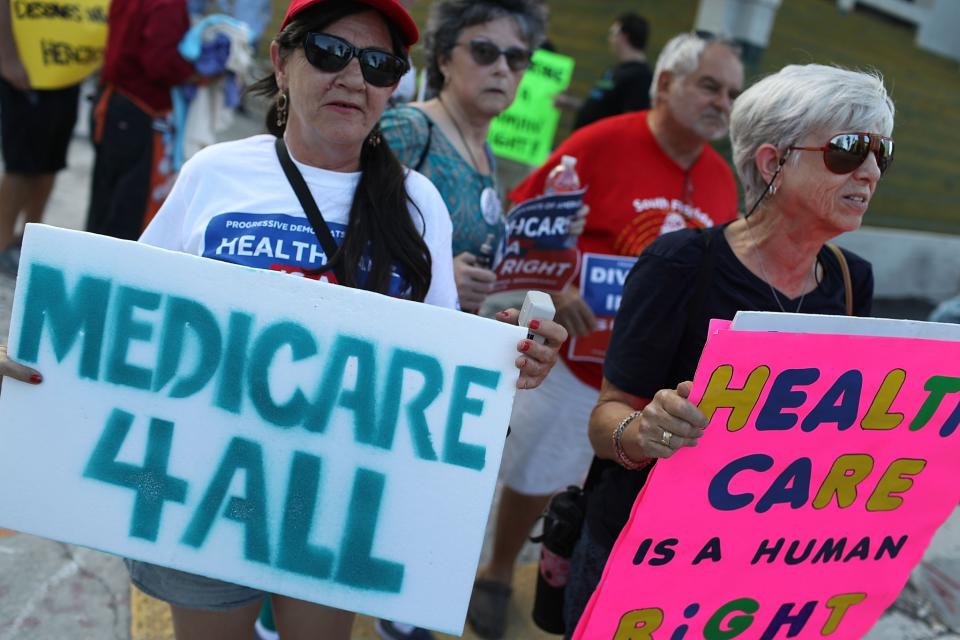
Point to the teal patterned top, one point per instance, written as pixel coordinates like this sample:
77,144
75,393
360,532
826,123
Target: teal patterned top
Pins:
422,146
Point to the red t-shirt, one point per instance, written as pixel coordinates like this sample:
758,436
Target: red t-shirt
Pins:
141,59
635,192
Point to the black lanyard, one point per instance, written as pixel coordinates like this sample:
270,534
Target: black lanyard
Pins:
320,228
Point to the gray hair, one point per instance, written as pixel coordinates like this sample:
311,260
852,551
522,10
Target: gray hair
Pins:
681,57
798,100
449,17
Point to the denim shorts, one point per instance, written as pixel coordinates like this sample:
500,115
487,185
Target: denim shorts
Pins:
188,590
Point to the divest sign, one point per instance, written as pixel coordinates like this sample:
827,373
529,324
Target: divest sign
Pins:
525,131
828,463
61,42
253,426
601,286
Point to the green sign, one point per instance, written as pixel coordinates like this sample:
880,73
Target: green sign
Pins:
525,131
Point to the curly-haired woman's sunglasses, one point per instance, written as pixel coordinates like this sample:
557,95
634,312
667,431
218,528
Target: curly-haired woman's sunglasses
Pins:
847,151
485,53
331,54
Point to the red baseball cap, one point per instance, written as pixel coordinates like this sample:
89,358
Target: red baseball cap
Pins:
392,10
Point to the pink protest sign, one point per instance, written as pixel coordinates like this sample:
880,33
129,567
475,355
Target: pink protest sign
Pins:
828,464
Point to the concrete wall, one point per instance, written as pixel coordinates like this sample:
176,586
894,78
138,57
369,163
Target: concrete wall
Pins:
914,11
746,20
937,21
938,31
909,264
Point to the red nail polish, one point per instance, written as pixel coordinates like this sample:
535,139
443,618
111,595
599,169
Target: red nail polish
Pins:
503,314
36,378
524,346
534,324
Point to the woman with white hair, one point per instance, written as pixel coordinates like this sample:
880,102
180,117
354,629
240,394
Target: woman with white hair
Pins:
810,144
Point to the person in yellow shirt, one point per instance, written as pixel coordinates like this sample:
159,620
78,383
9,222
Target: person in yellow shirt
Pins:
35,130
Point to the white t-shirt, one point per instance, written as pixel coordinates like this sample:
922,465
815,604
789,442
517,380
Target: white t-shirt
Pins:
232,202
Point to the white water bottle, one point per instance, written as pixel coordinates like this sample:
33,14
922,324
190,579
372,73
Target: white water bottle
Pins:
563,178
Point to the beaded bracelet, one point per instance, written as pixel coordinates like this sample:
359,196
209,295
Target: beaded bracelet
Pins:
622,456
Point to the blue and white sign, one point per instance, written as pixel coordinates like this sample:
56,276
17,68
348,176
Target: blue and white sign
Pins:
539,252
298,437
601,285
602,282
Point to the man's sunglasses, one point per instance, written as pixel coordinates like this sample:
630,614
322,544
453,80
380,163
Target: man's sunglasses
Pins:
847,151
331,54
485,53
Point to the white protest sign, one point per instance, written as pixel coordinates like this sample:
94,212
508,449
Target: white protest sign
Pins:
303,438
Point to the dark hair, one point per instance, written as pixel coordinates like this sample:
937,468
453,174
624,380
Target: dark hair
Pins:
449,17
380,227
636,28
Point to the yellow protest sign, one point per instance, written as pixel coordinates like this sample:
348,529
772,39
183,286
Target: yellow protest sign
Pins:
61,42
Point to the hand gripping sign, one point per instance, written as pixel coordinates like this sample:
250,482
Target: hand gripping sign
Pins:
539,251
254,427
828,463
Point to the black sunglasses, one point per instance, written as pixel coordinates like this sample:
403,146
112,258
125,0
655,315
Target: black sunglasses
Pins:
486,53
331,54
847,151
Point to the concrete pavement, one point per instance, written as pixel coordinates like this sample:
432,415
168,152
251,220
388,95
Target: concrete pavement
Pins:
50,590
53,591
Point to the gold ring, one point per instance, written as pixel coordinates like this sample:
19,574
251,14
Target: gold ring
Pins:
665,438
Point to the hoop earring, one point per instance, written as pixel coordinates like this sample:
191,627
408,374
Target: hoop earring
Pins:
282,105
773,186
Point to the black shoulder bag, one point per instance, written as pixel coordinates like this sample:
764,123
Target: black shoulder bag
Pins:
320,228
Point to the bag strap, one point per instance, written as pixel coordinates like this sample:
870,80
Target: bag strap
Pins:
847,282
426,148
320,228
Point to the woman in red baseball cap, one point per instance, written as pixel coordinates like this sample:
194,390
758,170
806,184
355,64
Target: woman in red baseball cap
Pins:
328,193
324,177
